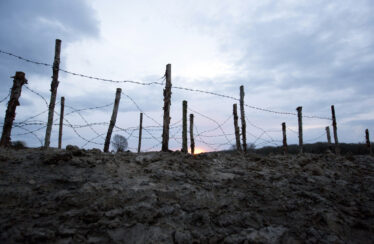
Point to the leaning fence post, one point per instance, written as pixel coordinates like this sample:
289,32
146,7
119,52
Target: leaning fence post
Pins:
112,120
335,129
368,141
191,135
328,137
285,150
184,131
236,127
61,122
18,81
242,115
300,121
54,85
140,132
167,97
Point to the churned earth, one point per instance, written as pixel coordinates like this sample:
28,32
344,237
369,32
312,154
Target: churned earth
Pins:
86,196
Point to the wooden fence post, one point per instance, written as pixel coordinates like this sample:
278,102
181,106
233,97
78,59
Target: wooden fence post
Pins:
18,81
335,129
285,150
54,85
242,115
112,120
167,102
368,141
61,122
328,137
300,122
236,127
191,135
184,131
140,132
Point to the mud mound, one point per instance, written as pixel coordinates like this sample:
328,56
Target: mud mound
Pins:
79,196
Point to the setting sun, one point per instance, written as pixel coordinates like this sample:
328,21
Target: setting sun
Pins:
199,150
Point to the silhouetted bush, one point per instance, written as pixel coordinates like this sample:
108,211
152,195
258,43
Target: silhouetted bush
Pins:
18,145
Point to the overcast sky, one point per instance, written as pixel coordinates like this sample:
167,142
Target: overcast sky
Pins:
286,53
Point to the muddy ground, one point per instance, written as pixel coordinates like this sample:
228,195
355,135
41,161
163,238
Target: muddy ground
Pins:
85,196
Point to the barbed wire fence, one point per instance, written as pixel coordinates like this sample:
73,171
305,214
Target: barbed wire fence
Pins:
219,137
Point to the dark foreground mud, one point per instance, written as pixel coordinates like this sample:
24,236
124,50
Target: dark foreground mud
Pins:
80,196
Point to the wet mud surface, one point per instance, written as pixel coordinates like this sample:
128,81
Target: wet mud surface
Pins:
85,196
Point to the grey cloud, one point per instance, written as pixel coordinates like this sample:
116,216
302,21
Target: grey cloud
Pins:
29,29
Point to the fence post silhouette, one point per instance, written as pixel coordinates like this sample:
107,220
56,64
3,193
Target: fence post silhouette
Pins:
61,122
368,141
300,122
18,81
236,127
112,120
184,131
335,129
328,137
54,85
285,150
191,135
140,132
242,115
166,122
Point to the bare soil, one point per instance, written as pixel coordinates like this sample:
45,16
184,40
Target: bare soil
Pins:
86,196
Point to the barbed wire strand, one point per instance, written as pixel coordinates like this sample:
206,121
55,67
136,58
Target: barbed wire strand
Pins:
161,83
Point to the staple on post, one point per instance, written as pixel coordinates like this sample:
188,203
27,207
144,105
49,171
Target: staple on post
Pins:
242,117
61,122
236,127
140,132
184,131
300,122
112,120
167,98
335,129
368,142
54,85
191,135
285,150
18,81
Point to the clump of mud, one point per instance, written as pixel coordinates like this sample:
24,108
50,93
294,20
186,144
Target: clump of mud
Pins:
85,196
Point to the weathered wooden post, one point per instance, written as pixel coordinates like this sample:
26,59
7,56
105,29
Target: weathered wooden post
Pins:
328,137
167,102
112,120
300,121
140,132
54,85
242,115
61,122
335,129
368,141
285,150
191,135
184,131
18,81
236,127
